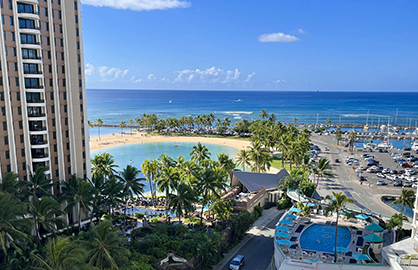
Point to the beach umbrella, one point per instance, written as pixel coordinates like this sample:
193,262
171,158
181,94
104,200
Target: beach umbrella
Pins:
290,216
294,209
282,235
309,204
374,227
345,211
361,257
340,249
284,242
362,216
373,238
282,228
287,222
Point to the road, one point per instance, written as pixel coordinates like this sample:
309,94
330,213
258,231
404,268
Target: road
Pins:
345,178
259,250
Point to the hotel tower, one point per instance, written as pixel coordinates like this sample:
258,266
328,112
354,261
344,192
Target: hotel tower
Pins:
42,89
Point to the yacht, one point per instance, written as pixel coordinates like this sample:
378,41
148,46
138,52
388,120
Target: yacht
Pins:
385,145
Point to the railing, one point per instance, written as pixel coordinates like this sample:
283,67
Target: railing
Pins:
37,128
35,101
32,58
36,115
40,156
38,142
34,86
34,27
248,204
32,72
31,43
303,198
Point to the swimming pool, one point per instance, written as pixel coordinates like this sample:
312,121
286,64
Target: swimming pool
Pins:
322,238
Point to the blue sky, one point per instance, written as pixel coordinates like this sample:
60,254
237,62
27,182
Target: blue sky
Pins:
351,45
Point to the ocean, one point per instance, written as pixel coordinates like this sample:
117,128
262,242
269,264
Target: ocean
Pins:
308,107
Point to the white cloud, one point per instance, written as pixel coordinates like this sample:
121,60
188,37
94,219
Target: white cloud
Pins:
104,73
249,77
139,5
211,75
301,31
277,37
151,77
279,82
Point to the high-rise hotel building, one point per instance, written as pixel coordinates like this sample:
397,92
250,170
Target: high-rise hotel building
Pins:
42,89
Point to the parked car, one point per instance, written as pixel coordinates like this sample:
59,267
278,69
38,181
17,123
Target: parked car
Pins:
381,183
393,171
397,183
406,165
386,170
407,154
358,170
414,185
362,178
337,160
407,184
380,175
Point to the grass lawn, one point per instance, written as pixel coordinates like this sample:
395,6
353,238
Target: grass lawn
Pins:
277,163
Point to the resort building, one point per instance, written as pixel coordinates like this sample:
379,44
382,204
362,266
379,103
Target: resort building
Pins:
42,97
254,189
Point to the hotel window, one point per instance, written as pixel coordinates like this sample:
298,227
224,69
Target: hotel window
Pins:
66,121
2,19
4,125
22,152
62,56
22,139
66,133
54,135
59,15
48,42
46,11
10,5
6,140
24,166
60,28
12,35
64,95
9,169
52,95
20,125
63,69
52,108
7,155
17,82
50,68
68,158
68,146
61,42
76,19
18,94
56,160
65,108
47,26
63,82
15,67
76,32
78,45
53,122
75,5
56,173
19,110
69,170
3,111
55,148
14,51
11,20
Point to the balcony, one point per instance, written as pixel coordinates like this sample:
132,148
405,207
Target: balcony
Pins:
38,156
29,27
36,115
35,100
32,72
37,128
30,43
34,86
28,57
38,142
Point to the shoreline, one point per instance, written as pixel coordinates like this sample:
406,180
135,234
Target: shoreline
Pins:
141,137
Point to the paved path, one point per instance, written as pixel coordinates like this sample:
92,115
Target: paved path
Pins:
258,246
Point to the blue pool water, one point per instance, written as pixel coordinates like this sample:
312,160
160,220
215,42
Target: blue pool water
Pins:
322,238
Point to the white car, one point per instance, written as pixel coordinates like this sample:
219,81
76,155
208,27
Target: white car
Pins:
358,170
381,183
386,170
414,185
380,175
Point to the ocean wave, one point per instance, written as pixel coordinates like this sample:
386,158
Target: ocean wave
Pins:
363,115
235,112
237,117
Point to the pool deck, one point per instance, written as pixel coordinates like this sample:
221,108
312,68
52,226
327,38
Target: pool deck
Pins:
357,243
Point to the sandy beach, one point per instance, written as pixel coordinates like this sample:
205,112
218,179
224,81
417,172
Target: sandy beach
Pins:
139,137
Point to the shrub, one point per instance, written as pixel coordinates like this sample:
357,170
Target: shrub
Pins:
258,210
307,188
139,215
284,203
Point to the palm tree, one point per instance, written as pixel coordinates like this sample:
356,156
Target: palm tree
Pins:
210,180
407,198
182,201
104,165
338,202
200,153
263,114
283,146
395,223
61,254
90,124
105,246
99,123
322,169
15,226
295,120
122,124
352,137
306,163
226,162
131,123
243,158
293,152
150,169
45,213
11,184
338,134
131,183
272,118
38,184
167,180
78,194
260,157
113,193
226,123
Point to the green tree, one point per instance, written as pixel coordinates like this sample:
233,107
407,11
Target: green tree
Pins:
167,180
260,157
131,183
122,124
295,120
222,208
307,188
352,137
272,118
263,114
99,124
15,226
226,162
150,169
338,134
322,169
395,223
113,193
105,246
11,184
38,184
337,203
200,153
104,165
78,194
407,198
243,158
46,213
182,202
61,254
